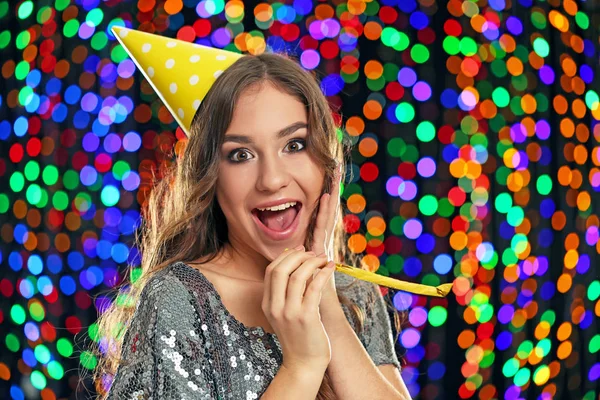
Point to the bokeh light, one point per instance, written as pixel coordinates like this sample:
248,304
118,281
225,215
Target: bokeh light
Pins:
476,160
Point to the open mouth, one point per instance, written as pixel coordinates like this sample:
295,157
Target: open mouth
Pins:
278,221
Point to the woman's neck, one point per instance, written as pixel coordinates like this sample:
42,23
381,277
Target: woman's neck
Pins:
247,265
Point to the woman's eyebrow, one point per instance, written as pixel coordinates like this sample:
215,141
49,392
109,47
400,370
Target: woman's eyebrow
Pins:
288,130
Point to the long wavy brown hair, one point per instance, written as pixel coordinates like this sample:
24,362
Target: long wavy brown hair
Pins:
181,221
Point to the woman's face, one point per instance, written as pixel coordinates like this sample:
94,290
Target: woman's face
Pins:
259,165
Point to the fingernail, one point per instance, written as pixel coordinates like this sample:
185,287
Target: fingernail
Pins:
301,247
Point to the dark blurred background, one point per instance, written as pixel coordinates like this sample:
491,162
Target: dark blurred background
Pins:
476,160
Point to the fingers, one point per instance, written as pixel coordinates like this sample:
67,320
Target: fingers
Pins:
312,296
270,268
299,280
280,276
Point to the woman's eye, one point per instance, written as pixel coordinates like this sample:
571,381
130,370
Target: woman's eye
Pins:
244,151
301,141
231,155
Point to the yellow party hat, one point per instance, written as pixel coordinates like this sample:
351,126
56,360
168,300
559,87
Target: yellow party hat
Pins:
180,72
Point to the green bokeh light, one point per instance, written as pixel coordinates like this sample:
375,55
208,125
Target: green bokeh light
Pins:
510,367
394,263
34,194
451,45
4,203
118,54
3,8
38,380
593,291
503,202
50,175
428,205
545,345
16,182
25,9
93,332
544,184
594,345
519,243
425,131
549,316
541,47
592,100
419,53
17,313
405,112
88,360
522,377
64,347
524,350
60,200
55,370
61,5
22,70
396,147
135,274
500,97
582,20
515,216
391,37
99,41
12,342
26,95
4,39
95,17
42,354
23,39
71,28
110,195
437,316
468,46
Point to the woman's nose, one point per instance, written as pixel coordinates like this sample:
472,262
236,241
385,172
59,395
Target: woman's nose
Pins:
272,176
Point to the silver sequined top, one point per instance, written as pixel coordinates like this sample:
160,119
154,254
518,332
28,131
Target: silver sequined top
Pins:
182,343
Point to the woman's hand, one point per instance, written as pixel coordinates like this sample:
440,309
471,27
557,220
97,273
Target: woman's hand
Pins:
329,206
291,305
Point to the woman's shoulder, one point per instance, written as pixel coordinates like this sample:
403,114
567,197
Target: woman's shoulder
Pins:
177,273
165,305
163,284
173,283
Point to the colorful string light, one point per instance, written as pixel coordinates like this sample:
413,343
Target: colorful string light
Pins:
476,160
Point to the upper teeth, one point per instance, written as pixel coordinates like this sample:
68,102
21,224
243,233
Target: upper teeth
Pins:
279,207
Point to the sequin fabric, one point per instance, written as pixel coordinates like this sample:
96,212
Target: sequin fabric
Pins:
182,343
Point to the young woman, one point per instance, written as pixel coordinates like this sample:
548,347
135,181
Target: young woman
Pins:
236,300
